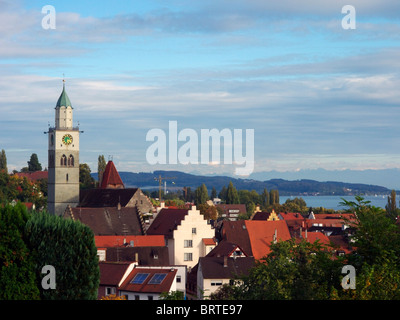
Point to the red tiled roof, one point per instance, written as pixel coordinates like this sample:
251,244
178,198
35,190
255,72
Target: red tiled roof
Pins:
111,178
138,241
314,236
209,241
261,234
334,216
291,216
164,286
37,175
111,273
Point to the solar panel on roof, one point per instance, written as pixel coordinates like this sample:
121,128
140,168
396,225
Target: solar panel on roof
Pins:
139,278
157,278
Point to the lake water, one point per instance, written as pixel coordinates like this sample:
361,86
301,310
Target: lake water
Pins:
332,202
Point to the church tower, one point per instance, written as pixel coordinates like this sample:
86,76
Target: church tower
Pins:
63,161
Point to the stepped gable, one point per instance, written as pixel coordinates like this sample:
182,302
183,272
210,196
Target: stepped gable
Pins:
111,178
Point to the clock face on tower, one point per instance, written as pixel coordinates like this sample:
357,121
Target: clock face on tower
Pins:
67,139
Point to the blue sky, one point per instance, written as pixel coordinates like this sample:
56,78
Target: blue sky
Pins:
315,94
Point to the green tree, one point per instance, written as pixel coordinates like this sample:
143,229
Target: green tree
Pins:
292,271
209,212
391,206
273,197
265,198
222,194
377,242
86,181
375,233
201,195
213,193
69,247
232,196
34,164
3,161
17,269
295,205
101,167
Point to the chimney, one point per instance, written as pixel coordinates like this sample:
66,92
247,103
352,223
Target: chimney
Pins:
275,236
225,261
137,258
306,234
301,230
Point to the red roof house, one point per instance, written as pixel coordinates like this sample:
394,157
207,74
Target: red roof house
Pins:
148,283
263,233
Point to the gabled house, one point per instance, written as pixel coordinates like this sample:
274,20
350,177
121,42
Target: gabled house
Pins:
263,233
112,274
184,231
215,271
254,236
148,283
265,216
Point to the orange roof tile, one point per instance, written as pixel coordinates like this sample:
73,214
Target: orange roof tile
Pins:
314,236
138,241
261,234
209,242
291,216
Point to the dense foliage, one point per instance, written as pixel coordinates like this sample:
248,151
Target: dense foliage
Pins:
69,247
17,266
299,270
30,241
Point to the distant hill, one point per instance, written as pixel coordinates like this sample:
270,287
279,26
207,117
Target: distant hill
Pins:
146,180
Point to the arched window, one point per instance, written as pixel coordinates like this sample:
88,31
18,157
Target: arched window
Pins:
71,161
63,161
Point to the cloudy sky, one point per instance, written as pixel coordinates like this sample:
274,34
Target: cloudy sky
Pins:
316,95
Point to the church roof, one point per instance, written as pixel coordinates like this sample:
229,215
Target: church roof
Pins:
96,198
111,178
63,100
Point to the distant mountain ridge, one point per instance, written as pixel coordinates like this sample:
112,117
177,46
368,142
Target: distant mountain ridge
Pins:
147,180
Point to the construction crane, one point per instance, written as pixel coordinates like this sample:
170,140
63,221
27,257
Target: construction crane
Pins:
160,180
